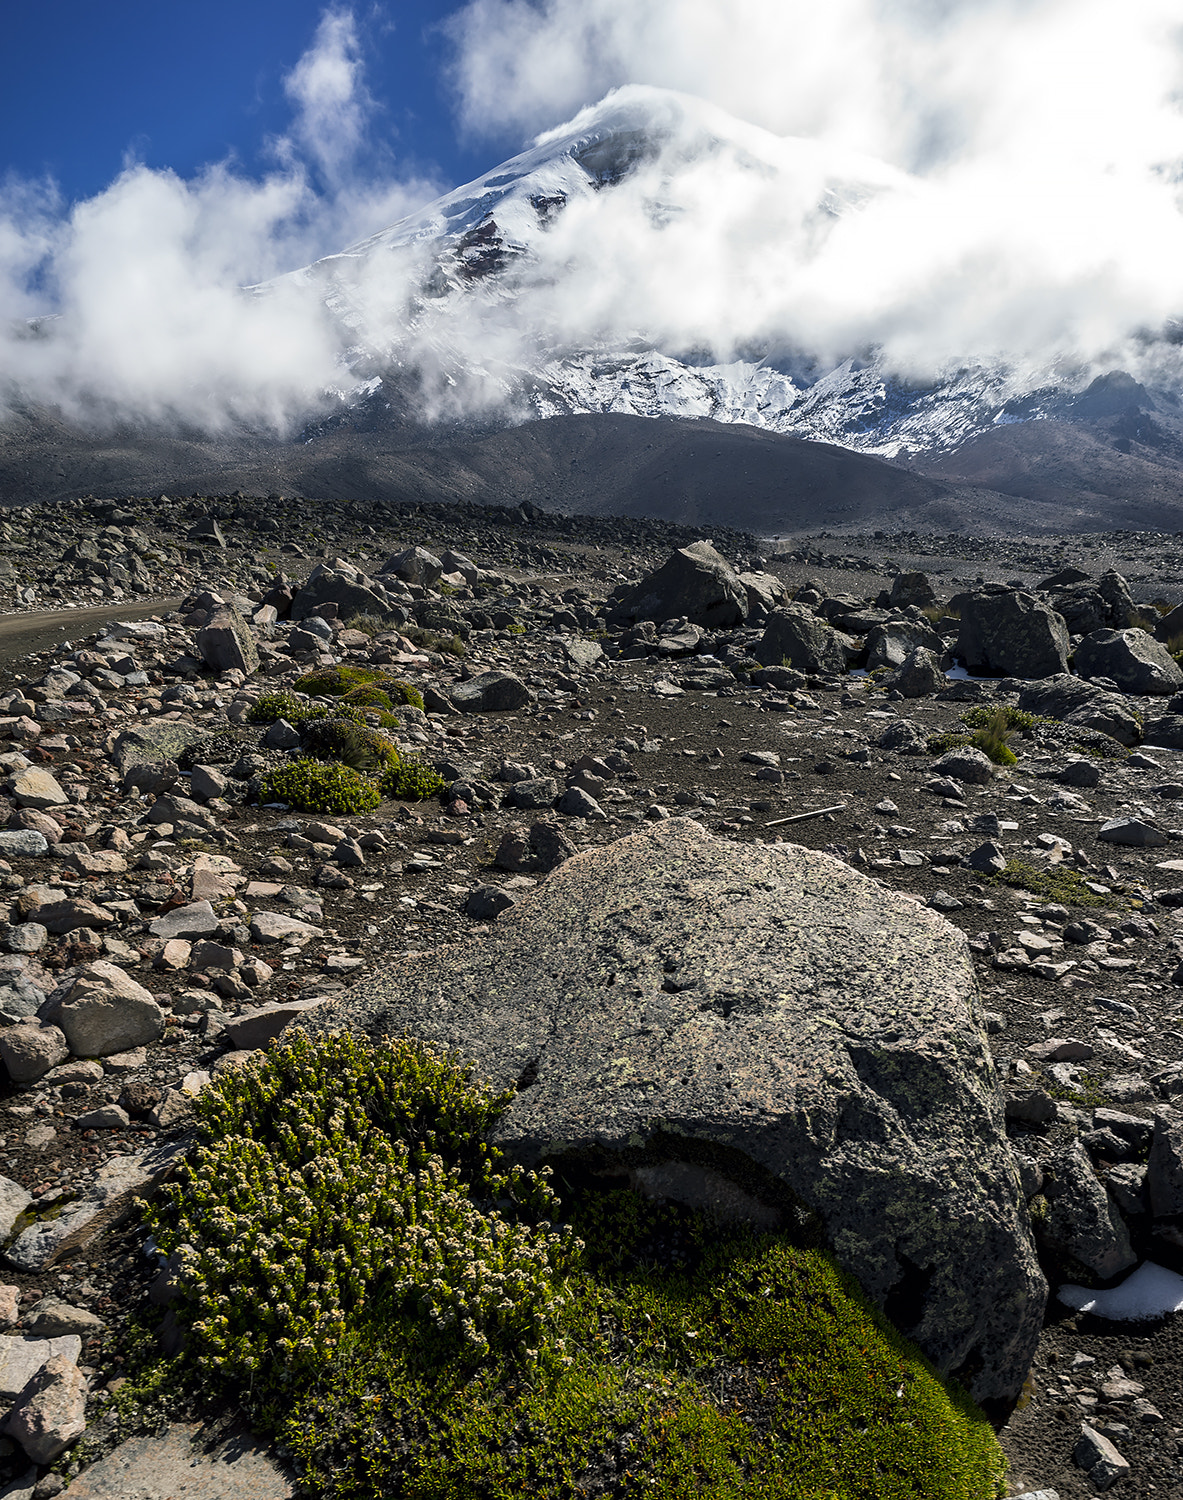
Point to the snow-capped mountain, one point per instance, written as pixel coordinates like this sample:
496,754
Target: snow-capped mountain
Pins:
658,257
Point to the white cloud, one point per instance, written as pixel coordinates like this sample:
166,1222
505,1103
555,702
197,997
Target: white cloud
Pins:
145,279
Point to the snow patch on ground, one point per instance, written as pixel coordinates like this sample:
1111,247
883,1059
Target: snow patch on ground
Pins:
1149,1292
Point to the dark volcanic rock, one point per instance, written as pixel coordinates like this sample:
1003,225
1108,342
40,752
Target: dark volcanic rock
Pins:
696,583
774,1007
1013,632
1131,658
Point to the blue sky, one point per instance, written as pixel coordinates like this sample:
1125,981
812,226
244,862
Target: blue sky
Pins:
180,85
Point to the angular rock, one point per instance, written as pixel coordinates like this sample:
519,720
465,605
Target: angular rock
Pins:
255,1028
1131,658
1134,833
1164,1171
577,803
350,595
1082,1223
912,589
889,644
765,593
965,764
794,636
192,921
158,740
919,674
491,692
51,1318
22,843
21,1360
987,858
226,643
777,1007
50,1413
536,792
1165,730
29,1050
68,916
1011,632
14,1199
1100,1460
36,788
276,927
105,1201
106,1011
539,848
414,565
487,902
1080,773
695,582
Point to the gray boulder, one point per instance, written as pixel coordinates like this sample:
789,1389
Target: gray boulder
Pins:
226,642
29,1050
1074,701
966,764
794,636
1165,730
695,582
158,740
815,1035
348,593
1011,632
414,565
1087,606
106,1011
491,692
919,674
1132,659
888,644
912,589
1082,1225
765,593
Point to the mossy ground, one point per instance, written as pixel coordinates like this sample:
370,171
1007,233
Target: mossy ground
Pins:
1050,883
512,1346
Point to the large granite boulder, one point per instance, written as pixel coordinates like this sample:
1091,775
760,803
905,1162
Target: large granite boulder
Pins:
1132,659
795,637
695,582
1011,632
762,1029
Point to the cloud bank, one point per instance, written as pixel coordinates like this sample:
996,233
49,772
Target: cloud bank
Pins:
943,181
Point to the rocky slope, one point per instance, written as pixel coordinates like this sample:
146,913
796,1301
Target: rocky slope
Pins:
160,922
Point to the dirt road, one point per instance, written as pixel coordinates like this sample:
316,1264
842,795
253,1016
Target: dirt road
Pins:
40,630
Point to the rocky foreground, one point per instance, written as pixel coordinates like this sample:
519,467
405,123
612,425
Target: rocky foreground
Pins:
581,688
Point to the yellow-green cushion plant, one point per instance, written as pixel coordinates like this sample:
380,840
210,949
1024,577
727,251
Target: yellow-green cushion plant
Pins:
402,1314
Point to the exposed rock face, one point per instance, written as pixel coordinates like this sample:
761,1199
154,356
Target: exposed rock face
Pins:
695,582
1131,658
676,997
349,594
795,635
1011,632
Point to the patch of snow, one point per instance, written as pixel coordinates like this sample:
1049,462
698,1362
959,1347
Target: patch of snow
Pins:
1149,1292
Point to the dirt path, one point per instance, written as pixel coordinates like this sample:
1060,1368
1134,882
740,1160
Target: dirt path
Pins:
41,629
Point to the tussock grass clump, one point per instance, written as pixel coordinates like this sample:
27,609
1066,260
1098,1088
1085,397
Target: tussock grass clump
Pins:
413,1321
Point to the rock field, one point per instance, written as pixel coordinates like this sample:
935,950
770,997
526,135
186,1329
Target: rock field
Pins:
630,707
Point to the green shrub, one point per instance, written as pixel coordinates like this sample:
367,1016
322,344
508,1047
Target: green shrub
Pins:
314,787
412,781
400,1313
284,705
404,692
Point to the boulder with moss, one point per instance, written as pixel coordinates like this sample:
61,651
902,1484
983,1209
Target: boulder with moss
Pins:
785,1032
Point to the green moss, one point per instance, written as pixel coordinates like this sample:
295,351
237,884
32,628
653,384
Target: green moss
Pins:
315,787
402,1315
333,682
1053,883
412,781
370,695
